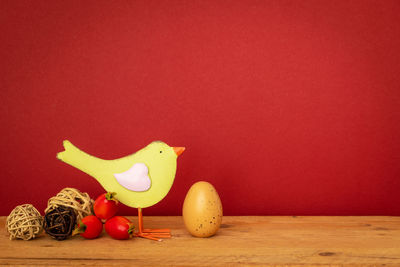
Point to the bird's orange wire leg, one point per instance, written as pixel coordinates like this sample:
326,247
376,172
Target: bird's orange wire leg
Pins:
153,234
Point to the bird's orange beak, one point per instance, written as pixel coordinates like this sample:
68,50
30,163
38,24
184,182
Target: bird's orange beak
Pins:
178,150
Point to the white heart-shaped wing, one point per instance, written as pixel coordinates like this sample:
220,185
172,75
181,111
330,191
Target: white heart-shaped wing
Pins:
135,179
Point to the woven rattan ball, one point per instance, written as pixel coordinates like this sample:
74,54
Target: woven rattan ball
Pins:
24,222
59,222
80,202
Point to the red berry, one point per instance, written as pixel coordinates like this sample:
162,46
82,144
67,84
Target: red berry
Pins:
89,227
119,227
106,206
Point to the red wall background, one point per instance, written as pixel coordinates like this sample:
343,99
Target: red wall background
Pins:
286,107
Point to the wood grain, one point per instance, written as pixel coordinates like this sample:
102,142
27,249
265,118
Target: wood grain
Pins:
247,241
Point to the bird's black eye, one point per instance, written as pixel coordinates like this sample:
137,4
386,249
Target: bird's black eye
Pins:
160,151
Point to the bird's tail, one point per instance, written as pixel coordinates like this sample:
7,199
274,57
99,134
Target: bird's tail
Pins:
69,153
77,158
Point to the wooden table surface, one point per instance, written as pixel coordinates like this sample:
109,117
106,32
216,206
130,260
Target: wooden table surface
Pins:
252,241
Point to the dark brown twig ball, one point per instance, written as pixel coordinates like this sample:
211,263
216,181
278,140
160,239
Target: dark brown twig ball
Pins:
59,222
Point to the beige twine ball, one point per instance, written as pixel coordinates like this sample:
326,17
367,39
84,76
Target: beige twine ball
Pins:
73,198
24,222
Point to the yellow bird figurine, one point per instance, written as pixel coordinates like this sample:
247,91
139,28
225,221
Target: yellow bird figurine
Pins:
140,180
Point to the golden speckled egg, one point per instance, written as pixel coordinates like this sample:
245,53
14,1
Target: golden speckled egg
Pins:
202,210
